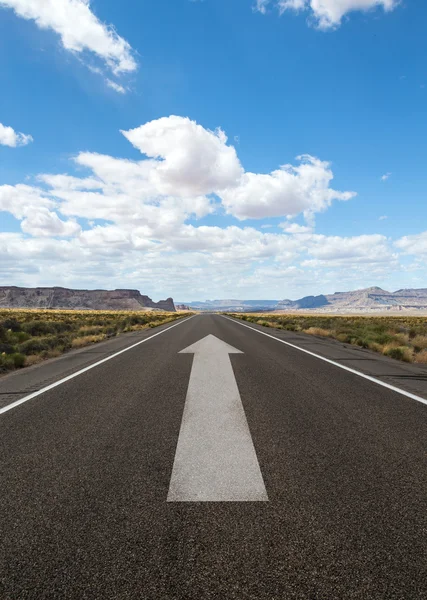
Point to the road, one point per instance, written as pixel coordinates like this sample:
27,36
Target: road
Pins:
312,483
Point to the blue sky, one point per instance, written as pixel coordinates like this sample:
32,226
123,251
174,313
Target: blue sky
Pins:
213,97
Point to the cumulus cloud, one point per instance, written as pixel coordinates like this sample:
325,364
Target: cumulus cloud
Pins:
32,207
287,191
295,228
385,176
9,137
327,14
190,159
413,244
327,250
45,223
79,29
137,220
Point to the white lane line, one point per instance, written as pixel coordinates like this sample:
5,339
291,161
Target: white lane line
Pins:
332,362
100,362
215,459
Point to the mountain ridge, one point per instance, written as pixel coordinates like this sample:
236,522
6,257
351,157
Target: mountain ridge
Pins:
369,299
66,298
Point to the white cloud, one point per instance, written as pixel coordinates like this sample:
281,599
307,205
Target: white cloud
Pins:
189,158
32,207
328,250
115,86
9,137
21,199
328,14
385,176
383,218
413,244
261,5
79,29
45,223
288,191
139,221
295,228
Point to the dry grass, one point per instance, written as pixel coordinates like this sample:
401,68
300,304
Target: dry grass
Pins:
318,331
403,353
28,336
401,337
419,342
421,357
33,359
86,340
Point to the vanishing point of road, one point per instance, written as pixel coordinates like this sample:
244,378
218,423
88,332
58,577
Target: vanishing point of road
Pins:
211,459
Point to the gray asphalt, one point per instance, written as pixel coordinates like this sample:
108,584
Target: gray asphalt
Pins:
86,468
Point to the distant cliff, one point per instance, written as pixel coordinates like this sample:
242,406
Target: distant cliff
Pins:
57,297
366,300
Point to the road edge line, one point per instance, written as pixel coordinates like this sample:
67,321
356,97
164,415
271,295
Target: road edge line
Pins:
332,362
77,373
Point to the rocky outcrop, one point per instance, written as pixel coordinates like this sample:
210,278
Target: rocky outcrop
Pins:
303,303
367,300
182,307
57,297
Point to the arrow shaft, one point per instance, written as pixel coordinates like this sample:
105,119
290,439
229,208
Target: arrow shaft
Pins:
215,458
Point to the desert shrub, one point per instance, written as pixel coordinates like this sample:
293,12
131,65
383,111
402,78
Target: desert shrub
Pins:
111,331
401,338
18,360
419,342
11,361
33,359
6,349
6,363
421,357
399,352
318,331
12,324
42,328
384,338
39,328
86,340
265,323
34,346
21,336
90,330
38,345
375,347
39,334
138,327
344,337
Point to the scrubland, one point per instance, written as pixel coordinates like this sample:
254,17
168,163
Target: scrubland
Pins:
31,336
403,338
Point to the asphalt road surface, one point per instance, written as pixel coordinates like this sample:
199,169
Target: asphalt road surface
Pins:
241,468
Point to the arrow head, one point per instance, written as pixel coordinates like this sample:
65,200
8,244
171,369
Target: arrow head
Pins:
210,345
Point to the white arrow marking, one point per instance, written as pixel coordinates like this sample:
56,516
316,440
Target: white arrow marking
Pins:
215,459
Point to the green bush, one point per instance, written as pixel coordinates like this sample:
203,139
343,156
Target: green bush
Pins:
34,346
11,324
18,360
43,334
6,349
399,353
